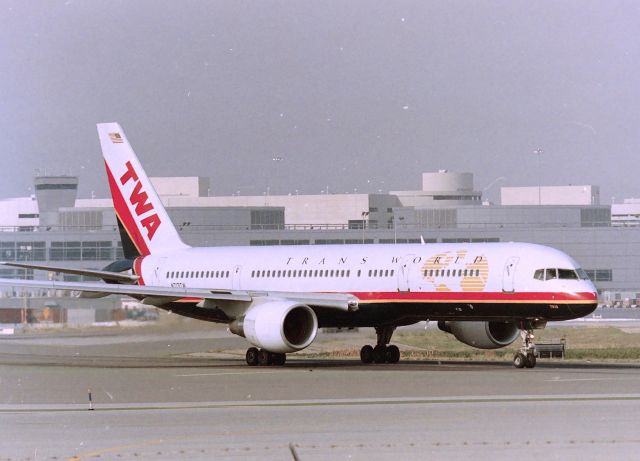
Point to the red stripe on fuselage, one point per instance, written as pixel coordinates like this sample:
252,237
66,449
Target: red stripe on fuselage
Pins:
476,297
127,219
449,297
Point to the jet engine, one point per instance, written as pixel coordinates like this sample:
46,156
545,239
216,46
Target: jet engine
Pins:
483,335
278,326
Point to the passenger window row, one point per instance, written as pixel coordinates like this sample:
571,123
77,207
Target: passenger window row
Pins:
300,273
452,273
319,273
198,274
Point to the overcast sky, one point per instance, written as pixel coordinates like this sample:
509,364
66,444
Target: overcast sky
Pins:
349,95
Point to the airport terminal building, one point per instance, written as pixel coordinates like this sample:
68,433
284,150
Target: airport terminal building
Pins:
55,227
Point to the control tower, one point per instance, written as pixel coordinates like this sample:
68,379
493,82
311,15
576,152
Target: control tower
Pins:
53,193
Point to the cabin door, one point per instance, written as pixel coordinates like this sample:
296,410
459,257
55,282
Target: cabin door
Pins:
237,272
158,276
404,273
508,274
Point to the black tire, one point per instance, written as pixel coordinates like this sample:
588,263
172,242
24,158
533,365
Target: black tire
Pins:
279,359
531,361
264,358
380,354
366,354
252,356
392,354
519,360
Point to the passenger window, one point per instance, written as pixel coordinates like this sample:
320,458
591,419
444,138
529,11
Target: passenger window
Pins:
392,272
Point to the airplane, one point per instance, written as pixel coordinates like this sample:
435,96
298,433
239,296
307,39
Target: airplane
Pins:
484,294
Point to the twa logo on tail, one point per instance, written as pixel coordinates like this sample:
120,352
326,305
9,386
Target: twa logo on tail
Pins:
136,202
139,200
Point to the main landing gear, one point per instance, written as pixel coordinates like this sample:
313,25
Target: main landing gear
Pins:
526,356
382,352
264,358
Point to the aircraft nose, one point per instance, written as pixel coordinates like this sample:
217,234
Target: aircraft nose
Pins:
589,295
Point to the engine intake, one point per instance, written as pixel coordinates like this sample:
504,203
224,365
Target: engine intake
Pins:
483,335
278,326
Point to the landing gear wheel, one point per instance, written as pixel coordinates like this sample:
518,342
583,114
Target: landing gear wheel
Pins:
366,354
380,353
530,361
526,356
519,360
252,356
392,354
264,358
278,359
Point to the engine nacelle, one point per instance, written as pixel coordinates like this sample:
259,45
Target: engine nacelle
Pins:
483,335
278,326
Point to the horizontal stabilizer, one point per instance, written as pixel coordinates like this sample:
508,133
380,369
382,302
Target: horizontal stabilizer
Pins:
105,275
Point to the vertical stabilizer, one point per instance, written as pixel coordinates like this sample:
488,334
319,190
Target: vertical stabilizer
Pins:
136,202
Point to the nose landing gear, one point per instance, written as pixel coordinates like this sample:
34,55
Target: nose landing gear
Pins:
526,356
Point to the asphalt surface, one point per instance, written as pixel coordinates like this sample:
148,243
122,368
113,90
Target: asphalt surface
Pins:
167,395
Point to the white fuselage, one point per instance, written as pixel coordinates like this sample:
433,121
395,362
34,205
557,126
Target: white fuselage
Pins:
478,271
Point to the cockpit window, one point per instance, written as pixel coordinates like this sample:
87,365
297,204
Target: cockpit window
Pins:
582,274
567,274
564,274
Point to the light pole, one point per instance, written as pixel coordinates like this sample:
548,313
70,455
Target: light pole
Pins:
395,228
364,216
539,153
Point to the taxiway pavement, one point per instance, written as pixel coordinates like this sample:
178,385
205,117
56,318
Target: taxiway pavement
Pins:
155,398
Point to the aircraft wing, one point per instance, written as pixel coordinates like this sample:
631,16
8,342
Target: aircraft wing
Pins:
159,296
106,275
